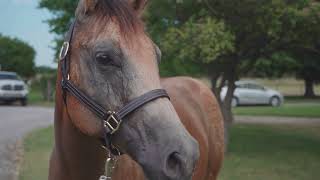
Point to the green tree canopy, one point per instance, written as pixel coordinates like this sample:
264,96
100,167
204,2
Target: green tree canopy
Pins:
300,57
306,46
17,56
194,45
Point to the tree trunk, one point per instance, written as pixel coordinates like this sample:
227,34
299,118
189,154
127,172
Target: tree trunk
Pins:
214,80
309,91
225,104
219,75
227,110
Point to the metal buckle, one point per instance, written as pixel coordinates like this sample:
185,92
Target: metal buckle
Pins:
64,50
112,122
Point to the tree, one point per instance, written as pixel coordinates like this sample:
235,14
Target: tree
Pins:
63,12
194,45
308,70
223,39
17,56
301,57
46,78
45,70
306,46
259,30
275,66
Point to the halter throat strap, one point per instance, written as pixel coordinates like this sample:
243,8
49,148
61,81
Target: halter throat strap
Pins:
111,119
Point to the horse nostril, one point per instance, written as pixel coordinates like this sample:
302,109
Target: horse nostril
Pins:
174,164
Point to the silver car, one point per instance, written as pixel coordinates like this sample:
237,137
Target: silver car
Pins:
12,88
251,93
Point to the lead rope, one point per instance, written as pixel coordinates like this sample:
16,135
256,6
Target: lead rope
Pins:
109,167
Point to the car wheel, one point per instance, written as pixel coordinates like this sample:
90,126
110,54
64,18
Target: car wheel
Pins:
234,102
275,101
24,102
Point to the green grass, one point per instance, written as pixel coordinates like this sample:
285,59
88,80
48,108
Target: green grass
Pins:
35,98
272,153
37,149
288,110
256,152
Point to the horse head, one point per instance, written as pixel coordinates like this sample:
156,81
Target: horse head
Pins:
114,61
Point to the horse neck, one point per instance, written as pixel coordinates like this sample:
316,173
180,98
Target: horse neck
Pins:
76,155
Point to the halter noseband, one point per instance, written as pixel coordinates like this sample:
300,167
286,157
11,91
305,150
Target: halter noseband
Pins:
111,120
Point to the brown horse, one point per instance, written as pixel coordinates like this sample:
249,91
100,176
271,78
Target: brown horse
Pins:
113,61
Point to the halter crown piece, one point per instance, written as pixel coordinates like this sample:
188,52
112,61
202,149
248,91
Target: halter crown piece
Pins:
111,120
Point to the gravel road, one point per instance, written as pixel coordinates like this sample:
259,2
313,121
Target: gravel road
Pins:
15,122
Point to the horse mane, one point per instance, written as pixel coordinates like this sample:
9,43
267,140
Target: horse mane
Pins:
121,10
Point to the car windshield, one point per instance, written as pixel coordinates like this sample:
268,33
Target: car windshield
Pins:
8,77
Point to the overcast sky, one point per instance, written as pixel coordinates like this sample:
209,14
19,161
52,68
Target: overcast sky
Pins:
22,19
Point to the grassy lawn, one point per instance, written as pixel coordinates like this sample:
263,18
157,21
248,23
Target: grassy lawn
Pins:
35,98
277,153
288,110
256,152
37,149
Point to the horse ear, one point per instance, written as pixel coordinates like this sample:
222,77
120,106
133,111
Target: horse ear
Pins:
138,5
90,5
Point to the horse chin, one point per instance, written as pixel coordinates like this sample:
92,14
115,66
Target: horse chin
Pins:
160,177
151,175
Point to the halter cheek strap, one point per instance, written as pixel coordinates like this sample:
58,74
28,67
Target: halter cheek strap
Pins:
111,120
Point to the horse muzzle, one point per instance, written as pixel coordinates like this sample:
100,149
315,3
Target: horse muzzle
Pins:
177,162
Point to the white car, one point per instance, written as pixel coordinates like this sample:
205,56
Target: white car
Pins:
12,88
251,93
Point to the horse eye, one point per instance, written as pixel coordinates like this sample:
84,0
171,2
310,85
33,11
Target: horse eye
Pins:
104,59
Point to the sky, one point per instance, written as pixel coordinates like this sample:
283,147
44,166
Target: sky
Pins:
24,20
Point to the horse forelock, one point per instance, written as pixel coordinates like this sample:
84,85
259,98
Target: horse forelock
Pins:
120,11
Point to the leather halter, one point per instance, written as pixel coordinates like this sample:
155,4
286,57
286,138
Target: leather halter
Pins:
111,120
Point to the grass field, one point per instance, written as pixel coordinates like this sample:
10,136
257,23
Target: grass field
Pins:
297,109
256,152
35,98
37,149
273,153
